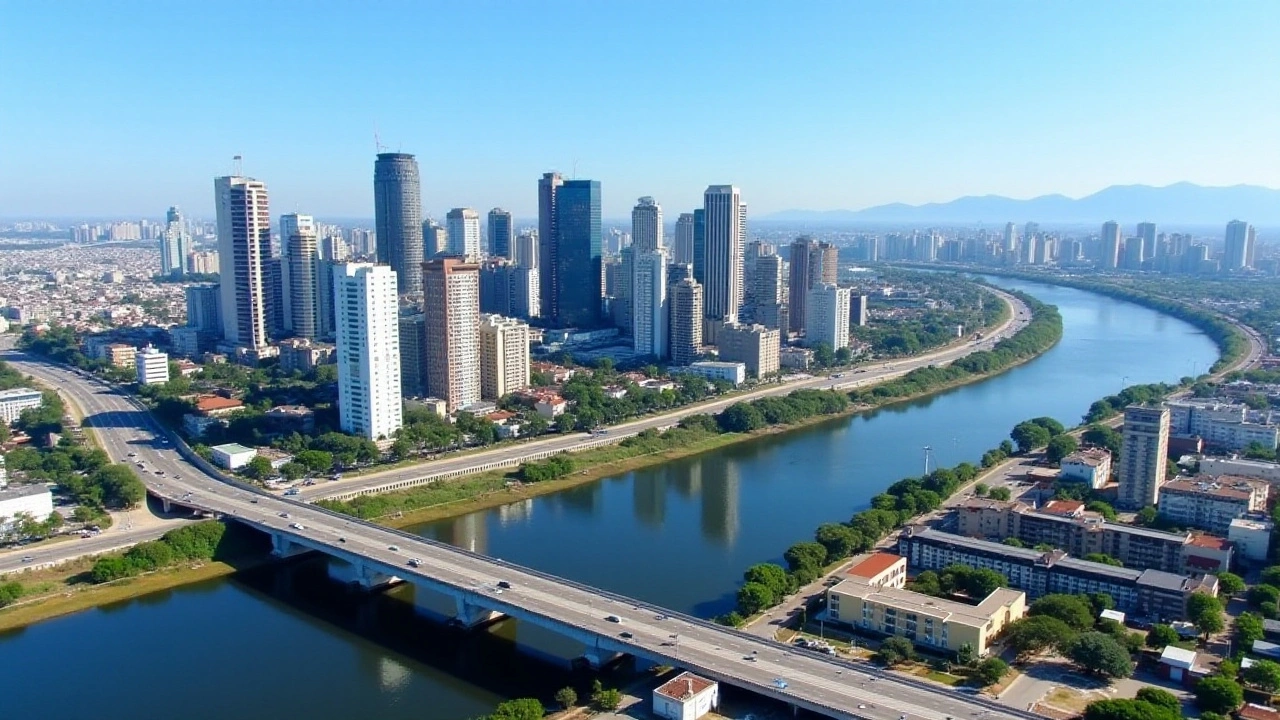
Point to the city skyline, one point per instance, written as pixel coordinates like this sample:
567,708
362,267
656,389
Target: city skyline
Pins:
868,133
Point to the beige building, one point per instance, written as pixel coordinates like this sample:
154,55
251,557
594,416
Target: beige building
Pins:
120,354
755,346
880,569
1146,447
1211,503
880,606
1091,466
451,330
686,321
504,356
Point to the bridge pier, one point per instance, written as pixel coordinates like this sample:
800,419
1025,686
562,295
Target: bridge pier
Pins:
166,505
283,546
358,573
597,658
470,615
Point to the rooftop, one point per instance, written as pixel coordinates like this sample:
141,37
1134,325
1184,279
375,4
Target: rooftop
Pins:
1211,542
212,403
684,686
1225,487
1178,657
17,393
1088,456
874,564
1063,507
233,449
939,608
13,492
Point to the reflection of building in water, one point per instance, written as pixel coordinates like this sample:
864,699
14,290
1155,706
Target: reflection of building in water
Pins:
584,498
720,501
649,497
516,512
468,532
391,674
689,482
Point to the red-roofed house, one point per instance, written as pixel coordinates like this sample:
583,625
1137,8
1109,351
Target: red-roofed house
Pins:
686,697
881,569
214,405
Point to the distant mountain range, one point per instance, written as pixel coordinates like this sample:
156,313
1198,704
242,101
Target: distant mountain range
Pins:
1181,203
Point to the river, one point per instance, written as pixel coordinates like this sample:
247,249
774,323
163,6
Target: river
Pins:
284,642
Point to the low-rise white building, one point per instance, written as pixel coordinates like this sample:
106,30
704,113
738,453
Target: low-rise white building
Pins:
1251,537
1239,466
686,697
14,401
35,500
1091,466
232,455
152,366
734,372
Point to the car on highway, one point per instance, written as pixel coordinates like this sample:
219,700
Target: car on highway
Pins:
284,514
342,539
613,618
625,635
415,562
133,454
780,683
292,491
26,558
297,526
393,548
504,584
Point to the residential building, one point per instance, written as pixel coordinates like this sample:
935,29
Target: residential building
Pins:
273,280
232,456
812,264
1268,471
686,697
525,252
1091,466
175,244
1238,248
646,226
650,311
686,321
725,235
756,346
857,310
1251,537
619,277
764,281
464,233
929,622
827,316
1111,245
397,211
682,249
152,366
244,246
452,331
795,358
1211,503
576,262
500,233
204,308
15,400
413,357
304,355
120,355
1224,426
435,239
36,500
549,244
504,356
292,418
1143,464
1152,594
733,372
369,401
301,292
880,569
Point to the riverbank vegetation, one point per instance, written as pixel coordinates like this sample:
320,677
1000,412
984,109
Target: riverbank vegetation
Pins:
202,541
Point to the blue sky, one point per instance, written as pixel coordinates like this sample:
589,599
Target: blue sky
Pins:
127,107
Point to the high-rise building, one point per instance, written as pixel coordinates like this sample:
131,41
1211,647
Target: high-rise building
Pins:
651,316
204,263
576,265
204,310
1133,254
273,272
413,357
152,366
526,250
700,245
435,239
524,295
504,356
301,277
464,233
764,288
755,346
682,249
1147,233
1010,237
827,316
175,243
1146,447
646,225
812,263
1111,245
686,321
500,233
369,399
451,330
1237,248
334,249
244,244
724,240
619,286
549,244
326,310
858,310
397,209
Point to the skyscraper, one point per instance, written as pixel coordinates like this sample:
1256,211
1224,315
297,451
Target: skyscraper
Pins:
504,356
451,330
699,262
435,239
526,250
576,255
301,277
686,321
1111,245
650,315
812,263
397,209
827,316
724,238
203,309
646,225
619,286
464,233
175,243
412,355
1237,247
244,244
1010,237
500,233
1143,462
368,352
682,250
1147,232
548,244
764,288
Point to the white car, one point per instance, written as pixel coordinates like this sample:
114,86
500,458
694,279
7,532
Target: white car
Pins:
297,526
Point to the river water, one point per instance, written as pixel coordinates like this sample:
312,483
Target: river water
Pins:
282,641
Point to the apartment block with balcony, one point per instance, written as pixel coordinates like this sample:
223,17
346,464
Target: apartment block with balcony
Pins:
1211,503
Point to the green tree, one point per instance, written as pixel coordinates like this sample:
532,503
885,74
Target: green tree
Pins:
1103,509
895,650
259,468
966,655
10,592
1161,635
1147,516
1230,583
1103,558
1029,436
293,471
1263,674
606,700
773,577
1000,493
990,671
1259,594
1218,694
1206,612
741,417
1074,610
1014,542
1035,634
1160,698
1100,654
806,555
981,489
521,709
1248,628
839,540
1059,447
1124,709
567,697
754,597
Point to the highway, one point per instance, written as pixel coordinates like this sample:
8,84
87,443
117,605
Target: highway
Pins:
512,455
833,687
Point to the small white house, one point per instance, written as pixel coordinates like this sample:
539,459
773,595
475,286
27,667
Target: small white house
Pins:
232,455
686,697
35,500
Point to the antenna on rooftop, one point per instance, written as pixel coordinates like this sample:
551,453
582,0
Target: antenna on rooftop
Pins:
377,142
575,170
237,165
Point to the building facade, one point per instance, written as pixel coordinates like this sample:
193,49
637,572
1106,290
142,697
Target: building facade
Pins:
451,328
152,366
15,400
682,248
1091,466
500,233
464,233
397,211
686,321
301,292
504,356
756,346
577,256
175,243
548,244
827,316
646,226
725,236
1146,447
1212,503
650,311
369,395
244,246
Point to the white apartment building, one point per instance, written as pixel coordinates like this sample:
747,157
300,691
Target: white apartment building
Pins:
1240,466
826,317
368,352
650,312
646,226
152,366
1251,537
1146,447
301,279
463,226
756,346
1091,466
1222,425
14,401
451,323
734,372
504,356
1212,503
244,244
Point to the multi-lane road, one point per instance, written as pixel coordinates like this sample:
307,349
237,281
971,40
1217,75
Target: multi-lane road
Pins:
831,686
